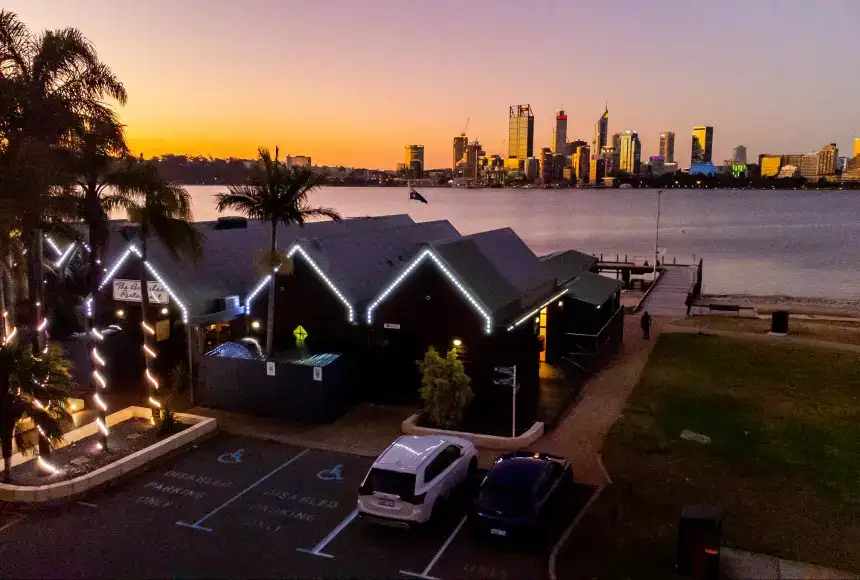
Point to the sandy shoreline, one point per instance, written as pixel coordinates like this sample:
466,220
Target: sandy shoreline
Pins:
767,304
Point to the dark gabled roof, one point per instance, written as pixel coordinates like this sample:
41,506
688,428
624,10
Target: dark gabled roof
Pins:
360,264
230,263
499,268
567,264
593,288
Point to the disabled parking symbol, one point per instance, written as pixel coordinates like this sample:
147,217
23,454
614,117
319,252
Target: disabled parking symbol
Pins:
235,457
332,474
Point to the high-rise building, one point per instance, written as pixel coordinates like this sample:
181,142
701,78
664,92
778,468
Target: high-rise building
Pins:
739,155
857,147
770,165
521,132
414,160
546,159
471,158
560,133
667,146
601,132
795,159
581,163
297,161
827,159
630,153
460,143
809,166
703,145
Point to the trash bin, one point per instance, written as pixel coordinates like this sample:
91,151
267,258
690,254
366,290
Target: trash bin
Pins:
699,535
779,322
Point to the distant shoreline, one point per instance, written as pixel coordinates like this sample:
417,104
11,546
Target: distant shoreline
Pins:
794,304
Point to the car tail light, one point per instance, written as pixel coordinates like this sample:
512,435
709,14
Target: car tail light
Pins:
415,499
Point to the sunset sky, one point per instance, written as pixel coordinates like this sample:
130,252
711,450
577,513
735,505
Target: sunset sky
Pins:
350,82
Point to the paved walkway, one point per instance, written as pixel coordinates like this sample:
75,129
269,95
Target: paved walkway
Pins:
668,296
741,565
580,434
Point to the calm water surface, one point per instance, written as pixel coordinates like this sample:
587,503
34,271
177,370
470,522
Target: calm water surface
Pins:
796,243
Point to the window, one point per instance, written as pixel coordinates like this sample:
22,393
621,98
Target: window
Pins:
392,482
441,462
547,479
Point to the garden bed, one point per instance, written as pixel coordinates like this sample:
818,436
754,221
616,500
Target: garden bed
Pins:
133,445
84,456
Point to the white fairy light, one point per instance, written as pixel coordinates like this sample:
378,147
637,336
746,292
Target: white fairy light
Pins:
102,427
538,309
112,272
98,357
53,245
97,334
428,253
99,402
45,465
65,254
147,327
98,376
152,380
89,305
254,293
39,404
11,335
42,325
149,351
154,402
329,283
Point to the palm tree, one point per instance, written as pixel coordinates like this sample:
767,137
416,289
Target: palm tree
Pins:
51,85
160,210
276,194
31,387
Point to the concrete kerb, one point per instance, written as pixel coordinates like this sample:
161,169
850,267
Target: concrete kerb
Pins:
410,427
200,427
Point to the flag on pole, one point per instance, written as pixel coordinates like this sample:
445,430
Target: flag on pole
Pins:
416,196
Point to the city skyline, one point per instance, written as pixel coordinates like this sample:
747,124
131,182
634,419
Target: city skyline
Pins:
207,86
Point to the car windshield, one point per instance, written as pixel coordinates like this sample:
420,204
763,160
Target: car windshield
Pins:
392,482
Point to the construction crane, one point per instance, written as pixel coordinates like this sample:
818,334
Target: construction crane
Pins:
467,125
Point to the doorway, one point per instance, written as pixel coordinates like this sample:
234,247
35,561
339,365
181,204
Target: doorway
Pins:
542,333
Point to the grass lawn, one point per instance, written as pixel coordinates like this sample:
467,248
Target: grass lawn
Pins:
834,331
784,460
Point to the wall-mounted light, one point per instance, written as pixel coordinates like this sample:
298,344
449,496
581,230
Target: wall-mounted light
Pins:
560,303
255,325
537,319
120,313
164,311
457,342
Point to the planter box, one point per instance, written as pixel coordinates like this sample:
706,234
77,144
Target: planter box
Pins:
410,427
199,427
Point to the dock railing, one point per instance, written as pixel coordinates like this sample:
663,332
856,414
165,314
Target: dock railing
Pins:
590,352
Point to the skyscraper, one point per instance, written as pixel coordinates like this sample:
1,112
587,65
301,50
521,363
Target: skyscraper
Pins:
630,153
703,144
739,155
827,159
667,146
581,163
414,160
521,132
857,147
546,162
601,132
560,133
460,144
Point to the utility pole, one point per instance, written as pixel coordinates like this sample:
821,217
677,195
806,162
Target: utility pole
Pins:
657,239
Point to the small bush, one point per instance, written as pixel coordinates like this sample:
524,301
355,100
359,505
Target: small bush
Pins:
445,388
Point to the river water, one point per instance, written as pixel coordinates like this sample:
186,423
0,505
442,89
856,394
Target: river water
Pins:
790,243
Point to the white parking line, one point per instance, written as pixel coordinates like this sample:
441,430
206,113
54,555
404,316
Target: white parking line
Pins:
567,532
425,575
196,525
317,550
18,517
88,504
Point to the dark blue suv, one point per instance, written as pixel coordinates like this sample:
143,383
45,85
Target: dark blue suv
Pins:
519,492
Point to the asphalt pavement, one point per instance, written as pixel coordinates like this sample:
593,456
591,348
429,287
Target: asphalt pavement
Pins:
244,507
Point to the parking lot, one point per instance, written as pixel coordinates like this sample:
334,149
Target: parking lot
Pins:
250,508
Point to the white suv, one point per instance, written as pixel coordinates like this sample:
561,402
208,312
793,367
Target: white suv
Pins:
405,482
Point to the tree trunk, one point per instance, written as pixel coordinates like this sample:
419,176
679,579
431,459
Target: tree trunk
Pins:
32,286
6,444
270,317
94,275
144,318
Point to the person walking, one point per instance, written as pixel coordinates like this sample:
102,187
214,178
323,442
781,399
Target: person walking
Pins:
645,322
689,302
